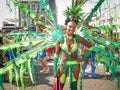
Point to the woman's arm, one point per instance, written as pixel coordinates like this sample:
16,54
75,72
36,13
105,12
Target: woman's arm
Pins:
86,43
57,47
56,57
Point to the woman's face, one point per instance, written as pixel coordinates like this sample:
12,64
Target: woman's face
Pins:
70,28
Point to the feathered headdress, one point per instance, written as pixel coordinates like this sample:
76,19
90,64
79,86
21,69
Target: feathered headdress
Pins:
75,11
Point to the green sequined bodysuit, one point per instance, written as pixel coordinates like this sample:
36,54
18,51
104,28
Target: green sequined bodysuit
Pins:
69,62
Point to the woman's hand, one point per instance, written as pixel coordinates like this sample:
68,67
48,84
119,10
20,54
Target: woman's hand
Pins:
79,60
76,58
57,75
64,56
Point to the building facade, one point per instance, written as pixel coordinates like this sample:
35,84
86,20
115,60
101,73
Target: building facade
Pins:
25,20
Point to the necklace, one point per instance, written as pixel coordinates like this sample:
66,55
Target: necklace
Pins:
69,41
69,38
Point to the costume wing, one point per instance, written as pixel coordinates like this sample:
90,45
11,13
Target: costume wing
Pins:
33,42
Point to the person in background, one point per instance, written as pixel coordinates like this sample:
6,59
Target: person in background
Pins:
92,63
43,61
3,59
49,53
10,54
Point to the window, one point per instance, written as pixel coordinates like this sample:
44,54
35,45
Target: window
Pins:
33,7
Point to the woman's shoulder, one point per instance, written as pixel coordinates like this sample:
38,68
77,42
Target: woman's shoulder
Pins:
76,35
60,40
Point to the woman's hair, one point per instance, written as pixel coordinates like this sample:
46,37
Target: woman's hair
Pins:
68,19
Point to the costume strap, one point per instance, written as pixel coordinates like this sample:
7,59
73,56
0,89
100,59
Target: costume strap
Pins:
77,37
1,83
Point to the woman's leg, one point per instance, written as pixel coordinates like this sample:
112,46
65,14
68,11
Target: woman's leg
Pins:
45,66
92,62
75,77
44,62
84,67
60,81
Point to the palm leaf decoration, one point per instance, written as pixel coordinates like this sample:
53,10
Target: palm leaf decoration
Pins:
24,60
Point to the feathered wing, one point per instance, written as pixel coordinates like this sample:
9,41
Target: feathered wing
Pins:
37,42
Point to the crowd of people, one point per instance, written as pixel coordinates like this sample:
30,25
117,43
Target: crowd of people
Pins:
8,55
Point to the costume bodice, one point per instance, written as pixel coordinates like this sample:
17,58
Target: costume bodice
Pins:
65,49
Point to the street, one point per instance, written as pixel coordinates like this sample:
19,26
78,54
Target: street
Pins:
45,82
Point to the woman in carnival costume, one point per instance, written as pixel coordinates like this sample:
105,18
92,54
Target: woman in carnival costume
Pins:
66,58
